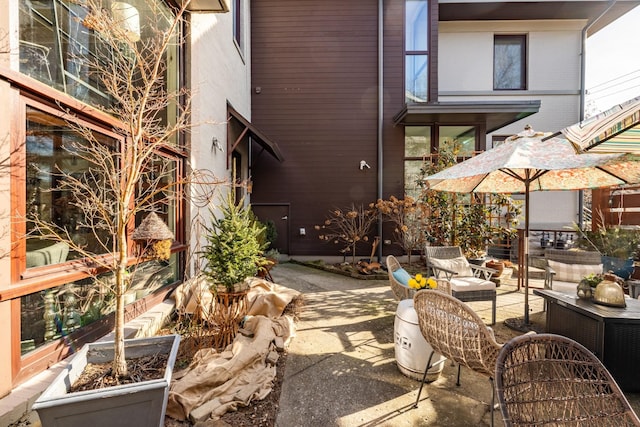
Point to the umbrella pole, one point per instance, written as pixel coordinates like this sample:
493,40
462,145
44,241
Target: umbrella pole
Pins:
526,251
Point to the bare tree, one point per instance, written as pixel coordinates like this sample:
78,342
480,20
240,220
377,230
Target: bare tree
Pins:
124,178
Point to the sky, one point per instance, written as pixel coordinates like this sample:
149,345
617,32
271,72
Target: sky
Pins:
613,63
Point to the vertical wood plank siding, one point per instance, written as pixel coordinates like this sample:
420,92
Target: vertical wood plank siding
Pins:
317,69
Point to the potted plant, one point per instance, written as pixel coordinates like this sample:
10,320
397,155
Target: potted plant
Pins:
233,252
618,246
120,186
588,284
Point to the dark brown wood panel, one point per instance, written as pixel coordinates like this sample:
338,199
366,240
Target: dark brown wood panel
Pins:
316,66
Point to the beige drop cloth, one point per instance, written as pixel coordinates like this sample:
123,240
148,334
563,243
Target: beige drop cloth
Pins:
264,298
218,382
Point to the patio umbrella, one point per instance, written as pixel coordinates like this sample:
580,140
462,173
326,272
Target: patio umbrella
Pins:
615,130
528,162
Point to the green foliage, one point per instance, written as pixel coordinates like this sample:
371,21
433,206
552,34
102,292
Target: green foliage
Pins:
616,242
592,279
234,250
270,233
471,221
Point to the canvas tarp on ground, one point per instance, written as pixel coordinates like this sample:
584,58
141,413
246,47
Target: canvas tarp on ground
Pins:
217,382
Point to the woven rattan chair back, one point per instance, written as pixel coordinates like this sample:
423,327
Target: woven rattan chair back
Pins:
455,331
549,379
443,252
400,291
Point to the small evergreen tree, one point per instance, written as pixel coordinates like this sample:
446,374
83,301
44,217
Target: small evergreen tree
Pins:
233,251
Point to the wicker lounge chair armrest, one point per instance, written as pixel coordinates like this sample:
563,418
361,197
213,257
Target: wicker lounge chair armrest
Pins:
486,272
437,270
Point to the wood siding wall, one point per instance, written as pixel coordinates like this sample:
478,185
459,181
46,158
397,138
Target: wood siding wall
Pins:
616,207
315,68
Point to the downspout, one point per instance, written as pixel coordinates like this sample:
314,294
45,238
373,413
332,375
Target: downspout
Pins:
583,90
380,116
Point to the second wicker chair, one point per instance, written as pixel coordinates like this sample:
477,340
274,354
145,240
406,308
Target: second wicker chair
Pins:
549,379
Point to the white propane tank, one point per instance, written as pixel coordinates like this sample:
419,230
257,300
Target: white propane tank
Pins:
411,349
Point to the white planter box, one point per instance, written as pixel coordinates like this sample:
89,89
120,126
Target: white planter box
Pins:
132,405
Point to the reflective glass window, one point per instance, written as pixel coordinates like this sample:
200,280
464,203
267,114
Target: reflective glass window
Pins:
509,68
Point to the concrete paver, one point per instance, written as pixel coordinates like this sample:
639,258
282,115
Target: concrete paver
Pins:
341,368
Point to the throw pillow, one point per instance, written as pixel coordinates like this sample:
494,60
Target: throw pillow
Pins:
460,265
573,272
402,276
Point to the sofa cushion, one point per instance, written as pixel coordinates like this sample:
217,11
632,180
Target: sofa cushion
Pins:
573,272
460,265
402,276
466,284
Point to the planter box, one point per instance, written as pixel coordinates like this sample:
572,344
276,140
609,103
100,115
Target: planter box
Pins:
135,405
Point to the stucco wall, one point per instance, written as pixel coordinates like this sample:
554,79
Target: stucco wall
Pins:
553,67
219,73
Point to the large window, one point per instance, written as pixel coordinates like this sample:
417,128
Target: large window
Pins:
57,49
54,313
50,156
417,50
417,147
49,315
463,138
420,146
57,294
510,62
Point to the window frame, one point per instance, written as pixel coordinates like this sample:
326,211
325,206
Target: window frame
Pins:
522,42
29,93
434,141
237,24
413,54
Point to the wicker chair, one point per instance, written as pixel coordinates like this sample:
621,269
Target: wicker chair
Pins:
457,332
549,379
401,291
474,286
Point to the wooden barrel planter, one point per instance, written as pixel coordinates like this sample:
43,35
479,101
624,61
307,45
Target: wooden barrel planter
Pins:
229,310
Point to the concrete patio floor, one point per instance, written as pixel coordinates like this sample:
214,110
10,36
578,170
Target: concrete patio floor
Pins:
341,369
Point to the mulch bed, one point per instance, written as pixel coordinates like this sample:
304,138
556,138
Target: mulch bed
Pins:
98,375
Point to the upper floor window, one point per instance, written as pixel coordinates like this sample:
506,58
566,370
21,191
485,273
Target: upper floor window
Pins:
416,50
509,62
237,22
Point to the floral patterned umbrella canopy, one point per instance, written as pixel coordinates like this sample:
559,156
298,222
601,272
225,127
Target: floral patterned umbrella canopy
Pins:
528,162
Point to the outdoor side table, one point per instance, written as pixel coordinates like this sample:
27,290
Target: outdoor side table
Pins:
611,333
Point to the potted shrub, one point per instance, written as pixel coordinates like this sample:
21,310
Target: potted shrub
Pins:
618,246
120,186
233,252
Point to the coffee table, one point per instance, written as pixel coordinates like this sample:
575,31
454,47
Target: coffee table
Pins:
611,333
